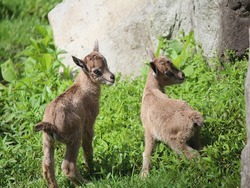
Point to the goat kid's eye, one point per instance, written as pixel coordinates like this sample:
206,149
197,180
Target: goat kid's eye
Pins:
97,72
169,62
169,73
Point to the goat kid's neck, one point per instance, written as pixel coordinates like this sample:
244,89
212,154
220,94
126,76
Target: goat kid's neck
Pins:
153,82
87,84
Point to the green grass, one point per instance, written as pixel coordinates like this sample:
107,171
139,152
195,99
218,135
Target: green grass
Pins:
15,35
118,143
32,81
17,22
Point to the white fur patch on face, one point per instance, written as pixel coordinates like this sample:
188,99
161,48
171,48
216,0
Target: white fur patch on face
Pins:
154,75
109,83
103,80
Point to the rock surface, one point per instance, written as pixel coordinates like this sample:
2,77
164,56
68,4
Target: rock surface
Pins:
125,30
235,21
245,155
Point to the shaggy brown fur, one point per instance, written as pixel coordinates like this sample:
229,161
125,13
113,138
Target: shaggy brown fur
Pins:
171,121
70,118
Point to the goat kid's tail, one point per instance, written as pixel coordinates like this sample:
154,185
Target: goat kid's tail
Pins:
197,118
46,127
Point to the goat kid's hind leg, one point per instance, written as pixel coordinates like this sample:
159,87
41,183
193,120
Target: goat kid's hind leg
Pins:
149,147
48,160
180,147
87,138
195,141
69,163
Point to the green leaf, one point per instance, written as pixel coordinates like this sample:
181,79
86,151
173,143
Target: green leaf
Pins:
44,30
2,87
29,64
184,55
47,60
176,46
189,70
8,71
178,61
157,53
61,52
171,53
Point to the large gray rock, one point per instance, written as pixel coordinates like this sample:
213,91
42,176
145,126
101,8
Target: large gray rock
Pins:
245,155
77,24
234,26
125,30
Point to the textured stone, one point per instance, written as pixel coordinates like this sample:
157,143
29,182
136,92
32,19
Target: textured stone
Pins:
245,155
234,25
77,24
125,30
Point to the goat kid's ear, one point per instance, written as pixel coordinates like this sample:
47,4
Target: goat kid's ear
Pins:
80,63
154,68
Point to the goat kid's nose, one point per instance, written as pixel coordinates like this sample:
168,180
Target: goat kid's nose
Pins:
112,77
181,75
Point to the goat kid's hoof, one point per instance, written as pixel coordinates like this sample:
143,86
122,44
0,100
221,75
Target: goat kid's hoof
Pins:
86,182
82,183
90,184
193,155
144,174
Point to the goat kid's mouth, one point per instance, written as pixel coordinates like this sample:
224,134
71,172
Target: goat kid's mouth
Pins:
181,80
107,82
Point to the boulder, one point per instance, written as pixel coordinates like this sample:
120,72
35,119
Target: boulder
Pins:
235,21
125,30
245,155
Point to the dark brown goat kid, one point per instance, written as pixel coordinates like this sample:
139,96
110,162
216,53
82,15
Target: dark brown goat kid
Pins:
70,118
171,121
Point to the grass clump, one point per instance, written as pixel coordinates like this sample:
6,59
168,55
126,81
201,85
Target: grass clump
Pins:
17,22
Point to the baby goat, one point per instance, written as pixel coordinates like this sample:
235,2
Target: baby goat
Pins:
171,121
70,118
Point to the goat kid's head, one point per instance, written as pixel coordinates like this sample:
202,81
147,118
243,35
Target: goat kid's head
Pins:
96,67
164,70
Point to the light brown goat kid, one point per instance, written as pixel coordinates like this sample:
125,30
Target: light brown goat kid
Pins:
70,118
171,121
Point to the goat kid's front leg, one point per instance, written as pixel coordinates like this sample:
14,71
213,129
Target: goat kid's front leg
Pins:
149,147
48,161
69,163
87,138
190,152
